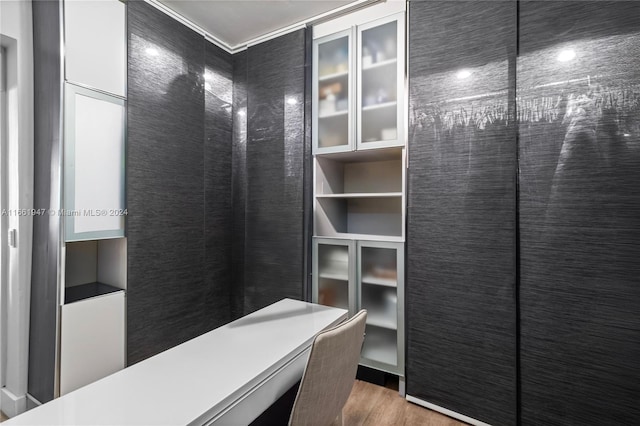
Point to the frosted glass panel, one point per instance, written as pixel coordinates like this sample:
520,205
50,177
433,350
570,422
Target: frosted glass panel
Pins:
379,58
95,44
333,93
333,275
98,158
379,266
380,345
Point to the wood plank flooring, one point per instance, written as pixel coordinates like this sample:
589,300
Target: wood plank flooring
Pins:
370,404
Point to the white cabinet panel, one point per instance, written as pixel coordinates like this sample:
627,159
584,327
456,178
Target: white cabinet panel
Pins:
95,44
92,340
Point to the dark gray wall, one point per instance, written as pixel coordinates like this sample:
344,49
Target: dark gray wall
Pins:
275,153
218,216
580,213
461,246
178,184
47,121
239,180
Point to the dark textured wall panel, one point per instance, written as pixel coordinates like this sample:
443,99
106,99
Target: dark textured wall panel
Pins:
461,250
239,180
167,292
274,171
218,99
579,122
47,120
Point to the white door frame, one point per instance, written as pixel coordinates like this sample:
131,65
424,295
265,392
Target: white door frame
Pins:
16,36
3,221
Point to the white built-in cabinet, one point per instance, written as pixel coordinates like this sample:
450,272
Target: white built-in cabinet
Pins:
359,126
94,247
358,87
363,274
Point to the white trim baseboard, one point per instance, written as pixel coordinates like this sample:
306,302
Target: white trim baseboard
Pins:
446,411
11,404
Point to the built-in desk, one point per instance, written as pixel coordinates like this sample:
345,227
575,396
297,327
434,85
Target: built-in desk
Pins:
227,376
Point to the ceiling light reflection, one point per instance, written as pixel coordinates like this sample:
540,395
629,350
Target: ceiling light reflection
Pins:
566,55
152,52
462,74
292,101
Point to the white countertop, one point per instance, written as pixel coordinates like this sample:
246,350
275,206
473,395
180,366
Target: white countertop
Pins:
195,381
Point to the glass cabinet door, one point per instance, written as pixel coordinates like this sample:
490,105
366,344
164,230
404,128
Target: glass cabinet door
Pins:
381,83
94,167
332,87
380,284
333,273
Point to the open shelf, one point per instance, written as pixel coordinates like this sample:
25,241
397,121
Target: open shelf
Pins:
365,179
362,195
94,268
380,216
86,291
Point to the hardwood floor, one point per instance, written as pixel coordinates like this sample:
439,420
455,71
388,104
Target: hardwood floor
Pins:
370,404
374,405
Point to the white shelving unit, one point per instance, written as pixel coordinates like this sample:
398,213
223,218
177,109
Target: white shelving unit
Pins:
360,179
94,248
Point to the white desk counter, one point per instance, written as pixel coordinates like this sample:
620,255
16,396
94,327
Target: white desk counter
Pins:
227,376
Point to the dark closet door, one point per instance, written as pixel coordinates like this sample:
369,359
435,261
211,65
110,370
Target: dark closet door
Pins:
461,254
579,108
275,152
166,291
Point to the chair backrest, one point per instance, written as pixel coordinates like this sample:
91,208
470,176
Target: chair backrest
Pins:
329,374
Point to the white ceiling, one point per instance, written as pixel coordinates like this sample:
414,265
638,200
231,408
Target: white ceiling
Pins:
237,22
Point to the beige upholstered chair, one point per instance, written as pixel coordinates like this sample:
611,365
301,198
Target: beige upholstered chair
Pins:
329,374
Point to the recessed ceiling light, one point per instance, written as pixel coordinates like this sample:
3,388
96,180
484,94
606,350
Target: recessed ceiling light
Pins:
292,101
566,55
